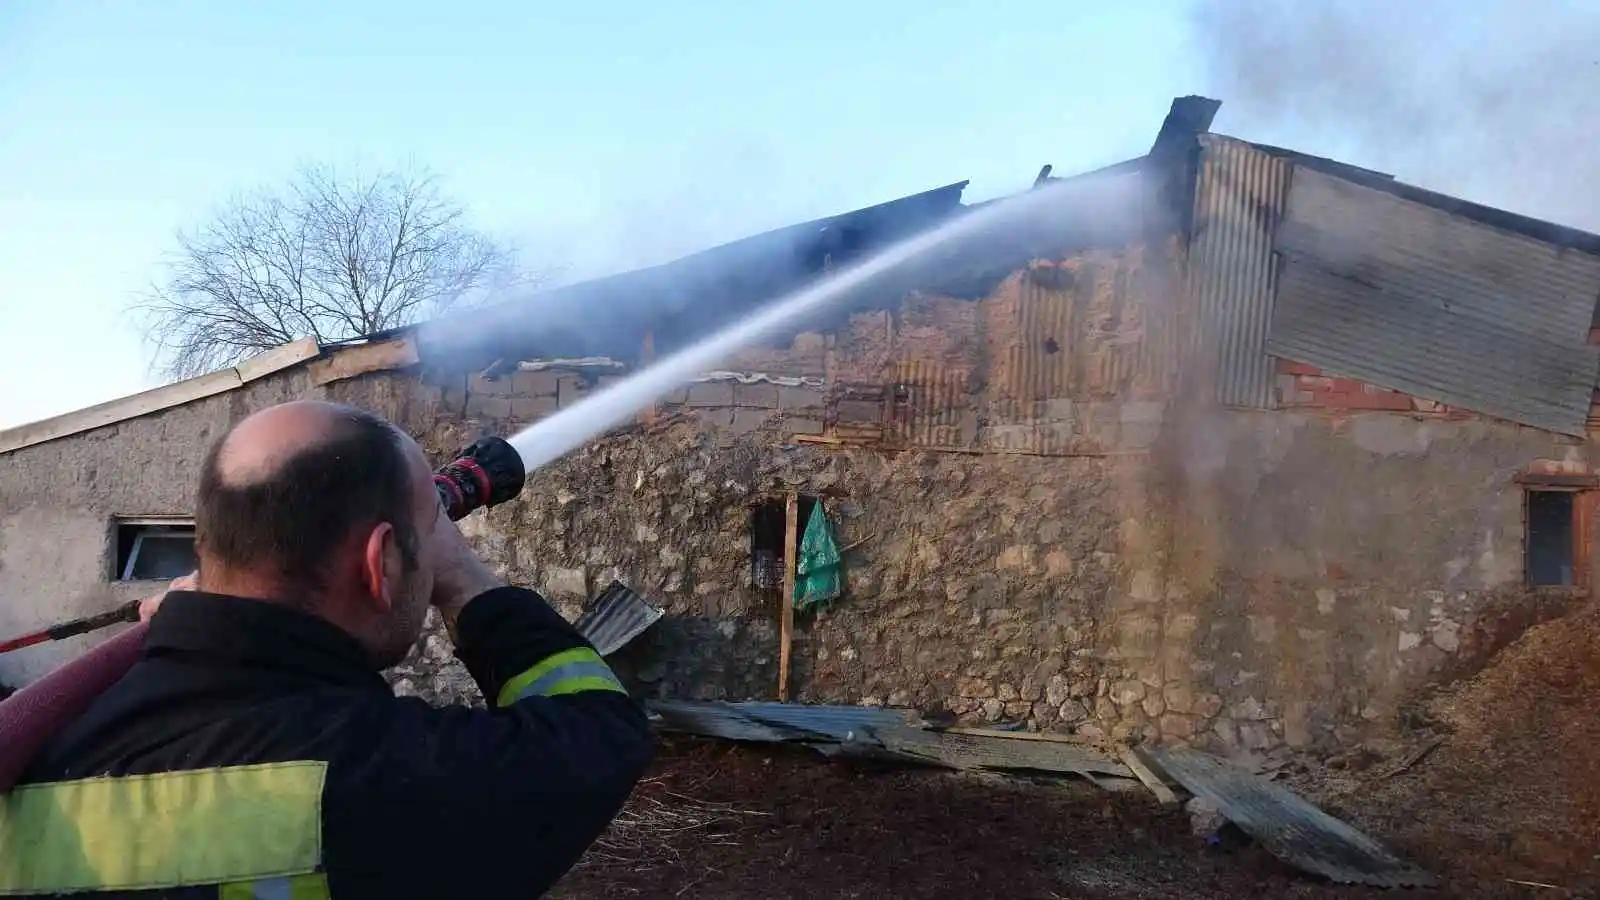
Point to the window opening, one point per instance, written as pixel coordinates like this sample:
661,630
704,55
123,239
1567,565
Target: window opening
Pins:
154,549
1549,538
766,540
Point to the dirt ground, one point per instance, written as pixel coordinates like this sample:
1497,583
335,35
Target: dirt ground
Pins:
1498,783
743,822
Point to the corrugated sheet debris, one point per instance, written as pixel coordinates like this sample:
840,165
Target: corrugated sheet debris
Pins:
1003,754
1239,200
778,721
616,617
932,406
1289,827
1408,297
763,378
580,362
891,734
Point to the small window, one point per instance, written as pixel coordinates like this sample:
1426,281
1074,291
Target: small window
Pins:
1550,538
154,549
766,540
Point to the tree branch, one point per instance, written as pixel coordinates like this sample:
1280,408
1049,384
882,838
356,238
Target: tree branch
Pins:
328,256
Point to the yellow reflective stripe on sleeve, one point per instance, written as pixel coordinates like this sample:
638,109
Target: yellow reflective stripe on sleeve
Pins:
294,887
568,672
577,684
201,827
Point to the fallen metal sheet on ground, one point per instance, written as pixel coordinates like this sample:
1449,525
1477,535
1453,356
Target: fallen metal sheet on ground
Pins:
715,720
884,734
1288,826
776,722
1002,754
616,617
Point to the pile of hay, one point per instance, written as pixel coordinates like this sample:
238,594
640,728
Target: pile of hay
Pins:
1511,786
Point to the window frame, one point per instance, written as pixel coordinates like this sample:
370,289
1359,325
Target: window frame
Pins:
1583,490
158,527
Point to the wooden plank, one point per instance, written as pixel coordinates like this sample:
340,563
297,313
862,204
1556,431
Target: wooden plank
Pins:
277,359
1539,480
791,530
1000,751
361,359
1021,735
154,400
1285,824
121,409
647,355
1130,758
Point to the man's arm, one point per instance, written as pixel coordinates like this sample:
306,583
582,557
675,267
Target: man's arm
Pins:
497,802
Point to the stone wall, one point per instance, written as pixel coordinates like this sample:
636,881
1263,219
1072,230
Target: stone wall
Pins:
1250,599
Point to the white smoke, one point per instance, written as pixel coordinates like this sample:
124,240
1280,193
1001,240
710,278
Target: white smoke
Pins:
1496,101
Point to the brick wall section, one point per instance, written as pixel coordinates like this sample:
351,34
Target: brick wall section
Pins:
1303,386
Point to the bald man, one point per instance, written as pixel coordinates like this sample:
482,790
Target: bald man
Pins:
256,751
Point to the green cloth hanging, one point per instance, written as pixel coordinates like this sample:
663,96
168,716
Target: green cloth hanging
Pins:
817,580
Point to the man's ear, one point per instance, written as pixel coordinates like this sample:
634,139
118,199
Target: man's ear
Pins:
379,550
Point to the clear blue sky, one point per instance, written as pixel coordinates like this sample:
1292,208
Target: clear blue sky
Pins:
599,136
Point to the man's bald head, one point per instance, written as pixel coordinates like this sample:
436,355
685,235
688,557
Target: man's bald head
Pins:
260,444
286,489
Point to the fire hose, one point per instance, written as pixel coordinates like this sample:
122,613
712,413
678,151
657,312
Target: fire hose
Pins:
487,473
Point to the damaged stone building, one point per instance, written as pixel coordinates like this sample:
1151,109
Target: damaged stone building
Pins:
1232,445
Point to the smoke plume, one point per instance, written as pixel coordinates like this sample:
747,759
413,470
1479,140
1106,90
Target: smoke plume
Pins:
1496,101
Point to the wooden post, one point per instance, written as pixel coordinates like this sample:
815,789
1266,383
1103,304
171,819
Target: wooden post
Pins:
647,355
791,528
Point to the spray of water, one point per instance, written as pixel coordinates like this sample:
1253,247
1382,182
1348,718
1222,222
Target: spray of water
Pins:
559,434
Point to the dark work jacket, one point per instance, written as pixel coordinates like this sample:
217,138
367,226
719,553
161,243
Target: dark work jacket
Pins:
303,776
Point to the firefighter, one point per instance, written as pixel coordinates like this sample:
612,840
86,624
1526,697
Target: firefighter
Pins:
256,751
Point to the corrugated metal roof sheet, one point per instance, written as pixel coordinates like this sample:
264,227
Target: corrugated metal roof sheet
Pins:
836,722
996,753
1098,325
932,406
616,617
767,721
1409,297
871,731
1239,200
1053,343
1289,827
717,720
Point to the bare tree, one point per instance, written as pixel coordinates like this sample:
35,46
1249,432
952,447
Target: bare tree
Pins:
327,256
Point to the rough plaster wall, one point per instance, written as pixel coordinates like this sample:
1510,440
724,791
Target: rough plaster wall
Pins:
1319,573
58,500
